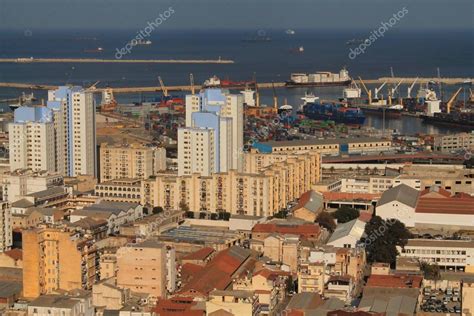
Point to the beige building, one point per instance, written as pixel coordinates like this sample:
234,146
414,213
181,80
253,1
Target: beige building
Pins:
107,295
6,239
142,268
311,277
467,304
235,302
455,142
282,249
328,147
120,190
263,192
54,258
130,161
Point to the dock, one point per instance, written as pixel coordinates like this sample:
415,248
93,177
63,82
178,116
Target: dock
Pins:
262,85
121,61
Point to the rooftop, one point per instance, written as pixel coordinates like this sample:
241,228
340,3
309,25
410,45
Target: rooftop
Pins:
310,200
309,142
440,243
401,193
395,281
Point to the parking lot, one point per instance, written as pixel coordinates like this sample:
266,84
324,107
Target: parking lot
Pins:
439,301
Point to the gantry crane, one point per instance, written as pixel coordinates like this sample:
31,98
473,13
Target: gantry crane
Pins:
191,80
369,92
163,88
451,100
410,88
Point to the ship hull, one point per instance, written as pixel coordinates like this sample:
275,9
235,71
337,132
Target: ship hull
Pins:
448,121
389,113
327,112
292,84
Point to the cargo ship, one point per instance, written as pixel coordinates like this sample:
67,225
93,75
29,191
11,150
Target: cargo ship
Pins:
336,112
322,78
215,82
458,119
393,111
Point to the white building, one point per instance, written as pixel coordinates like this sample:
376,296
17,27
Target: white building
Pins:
447,254
31,139
398,202
222,113
347,235
196,151
19,183
74,120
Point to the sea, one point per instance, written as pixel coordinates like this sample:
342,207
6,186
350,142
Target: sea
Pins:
405,53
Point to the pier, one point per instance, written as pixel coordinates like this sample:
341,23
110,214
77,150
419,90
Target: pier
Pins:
262,85
122,61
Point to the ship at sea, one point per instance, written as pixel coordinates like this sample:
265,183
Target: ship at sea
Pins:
215,82
322,78
336,112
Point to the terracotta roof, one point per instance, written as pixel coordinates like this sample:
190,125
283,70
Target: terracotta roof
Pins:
217,274
15,254
178,306
200,254
310,200
365,216
395,281
454,205
304,229
440,192
271,274
343,196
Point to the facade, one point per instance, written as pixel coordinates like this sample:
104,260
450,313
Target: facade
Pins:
73,111
142,268
130,161
212,140
120,190
457,255
236,302
257,194
72,304
347,235
328,147
17,184
6,240
32,139
57,259
311,277
454,142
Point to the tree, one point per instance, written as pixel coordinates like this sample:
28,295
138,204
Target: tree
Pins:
345,214
183,206
332,169
430,271
202,215
224,215
157,210
281,214
214,216
325,220
189,214
382,239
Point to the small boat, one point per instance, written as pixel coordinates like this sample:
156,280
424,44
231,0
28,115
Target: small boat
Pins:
290,32
298,50
309,97
97,50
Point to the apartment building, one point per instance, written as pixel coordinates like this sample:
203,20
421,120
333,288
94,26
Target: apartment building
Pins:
120,190
327,147
73,111
212,140
235,302
130,161
455,142
142,268
19,183
456,255
32,139
55,258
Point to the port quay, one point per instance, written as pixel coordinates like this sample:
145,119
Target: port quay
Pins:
261,85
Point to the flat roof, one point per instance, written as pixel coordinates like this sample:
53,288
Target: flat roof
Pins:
440,243
338,141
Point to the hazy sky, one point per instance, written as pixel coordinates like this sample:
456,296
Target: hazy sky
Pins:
232,14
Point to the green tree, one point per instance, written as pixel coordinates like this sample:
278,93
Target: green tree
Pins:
281,214
325,220
430,271
224,215
202,215
189,214
382,239
345,214
157,210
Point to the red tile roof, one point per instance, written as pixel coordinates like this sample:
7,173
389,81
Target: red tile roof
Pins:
439,192
395,281
217,274
177,306
454,205
365,216
201,254
15,254
271,274
305,230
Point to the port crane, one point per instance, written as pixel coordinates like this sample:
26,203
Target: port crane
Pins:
410,88
377,90
191,81
93,87
450,102
275,98
369,92
163,88
392,92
